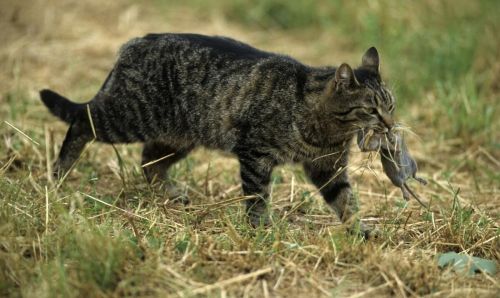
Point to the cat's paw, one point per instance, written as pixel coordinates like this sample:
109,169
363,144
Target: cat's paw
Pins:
176,194
154,176
372,233
363,231
57,171
258,212
258,215
257,220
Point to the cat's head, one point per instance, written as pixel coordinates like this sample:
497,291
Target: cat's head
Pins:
358,99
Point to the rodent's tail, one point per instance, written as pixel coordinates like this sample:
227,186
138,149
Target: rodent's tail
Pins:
60,106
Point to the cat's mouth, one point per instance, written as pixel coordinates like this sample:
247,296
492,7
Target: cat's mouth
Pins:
370,139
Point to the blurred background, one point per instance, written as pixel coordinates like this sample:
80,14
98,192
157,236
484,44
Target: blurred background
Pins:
440,57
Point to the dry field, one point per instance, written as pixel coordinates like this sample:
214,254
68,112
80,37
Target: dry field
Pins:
104,232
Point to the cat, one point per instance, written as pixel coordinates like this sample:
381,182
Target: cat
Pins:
174,92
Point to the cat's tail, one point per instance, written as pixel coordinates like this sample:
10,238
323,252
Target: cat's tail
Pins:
60,106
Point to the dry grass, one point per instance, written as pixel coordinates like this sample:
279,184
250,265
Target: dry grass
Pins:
105,232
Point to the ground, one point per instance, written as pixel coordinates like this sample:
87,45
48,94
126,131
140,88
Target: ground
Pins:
105,232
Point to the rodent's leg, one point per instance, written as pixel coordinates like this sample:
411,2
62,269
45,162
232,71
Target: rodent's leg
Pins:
406,194
420,180
405,187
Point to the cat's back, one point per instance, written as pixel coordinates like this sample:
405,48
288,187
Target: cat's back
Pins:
219,45
189,45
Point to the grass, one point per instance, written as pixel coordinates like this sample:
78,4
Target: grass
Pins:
105,232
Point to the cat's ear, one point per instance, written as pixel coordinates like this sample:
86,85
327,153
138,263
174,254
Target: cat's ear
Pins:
344,76
371,59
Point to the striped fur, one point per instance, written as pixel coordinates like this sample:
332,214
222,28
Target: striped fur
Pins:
174,92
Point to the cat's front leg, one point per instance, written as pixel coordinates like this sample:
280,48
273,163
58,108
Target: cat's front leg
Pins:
334,185
255,174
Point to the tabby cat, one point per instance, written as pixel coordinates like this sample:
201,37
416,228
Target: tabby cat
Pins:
174,92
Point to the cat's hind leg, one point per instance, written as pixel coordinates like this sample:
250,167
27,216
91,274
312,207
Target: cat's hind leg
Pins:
255,171
78,135
158,157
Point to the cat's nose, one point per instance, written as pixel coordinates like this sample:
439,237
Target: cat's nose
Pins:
388,121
